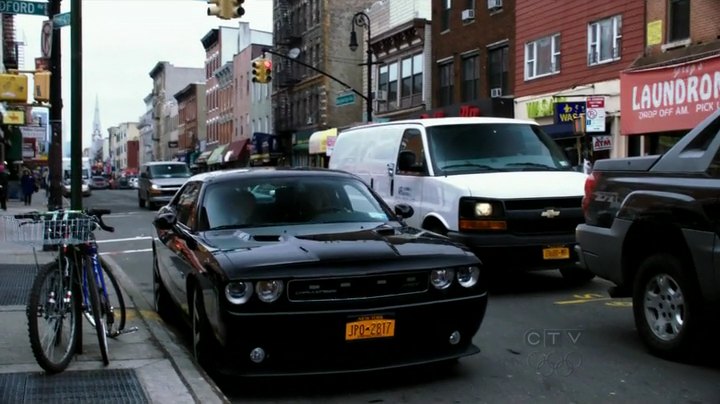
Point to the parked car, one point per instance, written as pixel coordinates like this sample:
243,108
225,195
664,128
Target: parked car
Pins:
300,271
67,188
99,182
500,186
159,181
133,181
122,183
651,227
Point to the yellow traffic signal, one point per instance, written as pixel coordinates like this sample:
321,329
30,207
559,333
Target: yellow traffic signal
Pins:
267,70
42,86
257,71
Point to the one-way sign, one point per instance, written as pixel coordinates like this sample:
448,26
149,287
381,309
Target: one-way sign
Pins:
23,7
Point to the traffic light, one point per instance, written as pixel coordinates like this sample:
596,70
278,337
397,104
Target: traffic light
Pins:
262,70
42,86
267,70
226,9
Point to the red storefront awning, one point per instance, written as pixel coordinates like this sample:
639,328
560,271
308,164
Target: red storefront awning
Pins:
669,98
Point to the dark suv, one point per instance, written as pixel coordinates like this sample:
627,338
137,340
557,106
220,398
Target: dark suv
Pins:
159,180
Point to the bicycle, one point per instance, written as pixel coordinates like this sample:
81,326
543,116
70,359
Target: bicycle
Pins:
76,271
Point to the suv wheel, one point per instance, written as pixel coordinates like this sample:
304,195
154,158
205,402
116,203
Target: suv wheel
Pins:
666,306
141,201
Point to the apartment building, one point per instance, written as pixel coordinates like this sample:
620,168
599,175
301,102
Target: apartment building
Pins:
316,33
473,57
192,134
568,71
675,83
122,138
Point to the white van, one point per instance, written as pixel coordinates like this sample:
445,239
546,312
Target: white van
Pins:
500,186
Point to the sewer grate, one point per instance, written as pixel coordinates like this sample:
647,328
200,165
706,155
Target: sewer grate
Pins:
91,386
15,283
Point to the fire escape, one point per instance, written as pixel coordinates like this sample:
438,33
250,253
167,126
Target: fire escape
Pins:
11,49
287,37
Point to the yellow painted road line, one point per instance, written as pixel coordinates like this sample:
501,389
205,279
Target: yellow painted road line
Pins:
580,301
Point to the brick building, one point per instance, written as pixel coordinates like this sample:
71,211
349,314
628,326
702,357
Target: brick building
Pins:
472,57
568,53
191,120
675,84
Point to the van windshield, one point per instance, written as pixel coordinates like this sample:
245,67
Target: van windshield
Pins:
475,148
170,171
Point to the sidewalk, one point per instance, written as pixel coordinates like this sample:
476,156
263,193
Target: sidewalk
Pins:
146,366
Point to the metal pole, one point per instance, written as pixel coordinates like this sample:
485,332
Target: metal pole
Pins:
55,154
368,102
76,103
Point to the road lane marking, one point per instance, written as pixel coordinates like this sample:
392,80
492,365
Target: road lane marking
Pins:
595,297
118,240
580,301
126,251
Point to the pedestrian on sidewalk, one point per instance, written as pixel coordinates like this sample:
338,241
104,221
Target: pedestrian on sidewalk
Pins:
27,182
3,187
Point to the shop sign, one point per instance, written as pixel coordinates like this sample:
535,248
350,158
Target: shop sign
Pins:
543,107
602,143
676,97
595,115
14,118
35,132
568,112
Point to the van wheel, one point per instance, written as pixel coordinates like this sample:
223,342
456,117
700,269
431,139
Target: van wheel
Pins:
141,201
436,228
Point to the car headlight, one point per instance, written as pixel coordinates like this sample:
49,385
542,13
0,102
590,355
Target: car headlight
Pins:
468,276
269,291
483,209
238,292
154,186
441,278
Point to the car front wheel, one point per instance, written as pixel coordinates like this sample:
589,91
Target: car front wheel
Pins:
667,307
161,297
202,338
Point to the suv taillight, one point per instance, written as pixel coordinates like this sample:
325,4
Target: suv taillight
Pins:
590,184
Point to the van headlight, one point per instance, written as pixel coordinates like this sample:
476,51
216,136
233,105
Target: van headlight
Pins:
238,292
269,291
155,186
468,276
483,209
441,278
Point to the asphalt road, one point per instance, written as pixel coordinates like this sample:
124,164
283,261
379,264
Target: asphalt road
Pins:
542,340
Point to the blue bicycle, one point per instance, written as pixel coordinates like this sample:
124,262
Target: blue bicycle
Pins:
74,282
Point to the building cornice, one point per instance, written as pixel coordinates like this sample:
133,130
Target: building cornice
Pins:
210,38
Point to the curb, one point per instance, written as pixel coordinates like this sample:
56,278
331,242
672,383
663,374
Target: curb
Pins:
201,387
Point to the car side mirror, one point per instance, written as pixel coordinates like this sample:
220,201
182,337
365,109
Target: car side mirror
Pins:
404,211
165,220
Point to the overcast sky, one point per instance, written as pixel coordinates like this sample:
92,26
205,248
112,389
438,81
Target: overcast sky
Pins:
122,42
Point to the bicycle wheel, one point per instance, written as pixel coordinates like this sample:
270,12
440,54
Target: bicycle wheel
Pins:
95,309
113,304
53,313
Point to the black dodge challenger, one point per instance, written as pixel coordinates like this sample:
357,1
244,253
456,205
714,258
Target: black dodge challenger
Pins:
307,271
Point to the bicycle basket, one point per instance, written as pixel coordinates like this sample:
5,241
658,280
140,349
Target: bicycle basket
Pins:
47,230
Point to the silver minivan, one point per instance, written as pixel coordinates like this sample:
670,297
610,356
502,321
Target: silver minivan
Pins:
159,181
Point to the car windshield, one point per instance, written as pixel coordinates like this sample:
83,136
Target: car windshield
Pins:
282,201
170,171
488,147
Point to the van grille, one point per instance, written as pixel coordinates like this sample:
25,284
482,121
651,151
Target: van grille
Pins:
531,216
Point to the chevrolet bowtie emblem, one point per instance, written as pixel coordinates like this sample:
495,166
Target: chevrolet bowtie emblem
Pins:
550,213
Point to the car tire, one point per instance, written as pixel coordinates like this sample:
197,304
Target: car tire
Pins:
663,292
576,275
141,201
161,297
202,338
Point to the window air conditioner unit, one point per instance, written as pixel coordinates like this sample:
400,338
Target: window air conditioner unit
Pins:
468,14
381,95
496,92
494,4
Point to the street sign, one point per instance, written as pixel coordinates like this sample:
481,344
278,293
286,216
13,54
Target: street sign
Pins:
345,99
23,7
61,20
595,115
46,38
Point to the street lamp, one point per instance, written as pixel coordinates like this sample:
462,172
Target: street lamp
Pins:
361,19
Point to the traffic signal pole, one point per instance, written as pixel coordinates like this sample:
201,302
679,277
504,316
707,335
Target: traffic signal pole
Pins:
55,153
76,104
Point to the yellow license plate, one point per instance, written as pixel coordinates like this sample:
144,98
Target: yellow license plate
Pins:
556,253
364,329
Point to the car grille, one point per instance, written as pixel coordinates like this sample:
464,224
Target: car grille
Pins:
525,216
353,288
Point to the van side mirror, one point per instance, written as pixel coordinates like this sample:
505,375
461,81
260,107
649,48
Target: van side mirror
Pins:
404,210
143,175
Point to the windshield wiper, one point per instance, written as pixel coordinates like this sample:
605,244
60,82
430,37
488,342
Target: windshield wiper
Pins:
483,166
533,165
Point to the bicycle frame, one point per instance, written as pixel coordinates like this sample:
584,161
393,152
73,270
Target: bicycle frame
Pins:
91,251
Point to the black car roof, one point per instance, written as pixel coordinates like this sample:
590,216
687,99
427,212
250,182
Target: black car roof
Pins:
267,172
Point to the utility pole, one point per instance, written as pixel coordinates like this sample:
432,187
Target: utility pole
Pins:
56,154
76,103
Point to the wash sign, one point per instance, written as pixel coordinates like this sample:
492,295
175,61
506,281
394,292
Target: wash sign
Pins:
568,112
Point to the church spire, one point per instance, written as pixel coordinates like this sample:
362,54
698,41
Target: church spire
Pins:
97,130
